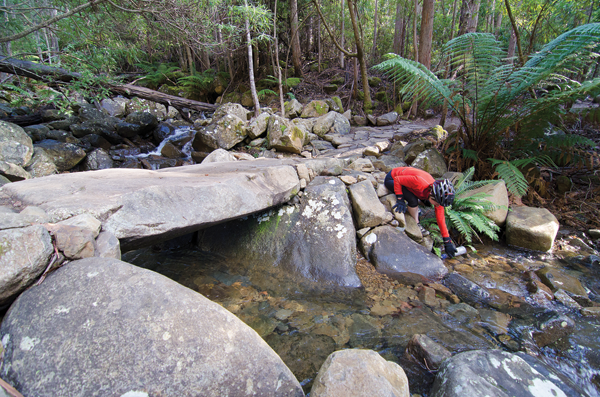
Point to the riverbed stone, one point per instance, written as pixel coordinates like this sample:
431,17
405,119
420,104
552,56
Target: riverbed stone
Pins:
496,373
531,228
551,328
393,253
13,172
64,155
368,210
359,372
110,314
98,159
16,146
425,351
467,290
107,246
557,279
24,254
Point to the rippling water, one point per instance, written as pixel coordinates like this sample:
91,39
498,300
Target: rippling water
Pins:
305,326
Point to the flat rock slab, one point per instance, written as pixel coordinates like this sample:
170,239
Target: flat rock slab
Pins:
141,207
102,327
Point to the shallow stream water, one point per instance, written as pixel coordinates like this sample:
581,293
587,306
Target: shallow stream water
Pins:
304,326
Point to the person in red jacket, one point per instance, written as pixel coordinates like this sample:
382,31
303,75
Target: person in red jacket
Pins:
411,185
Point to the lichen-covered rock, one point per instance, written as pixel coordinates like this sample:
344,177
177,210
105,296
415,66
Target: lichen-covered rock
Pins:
357,373
315,109
234,109
368,210
99,326
16,146
496,373
331,123
259,125
64,155
431,161
224,133
285,136
292,109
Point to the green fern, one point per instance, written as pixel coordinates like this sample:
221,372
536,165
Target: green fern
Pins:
466,215
158,75
264,93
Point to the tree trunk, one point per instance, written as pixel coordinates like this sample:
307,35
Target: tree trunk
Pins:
415,42
453,24
360,53
511,47
426,36
397,46
57,75
295,44
374,49
251,63
277,66
343,38
515,31
319,49
469,16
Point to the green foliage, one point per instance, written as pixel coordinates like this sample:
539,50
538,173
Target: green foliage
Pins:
264,93
289,82
467,214
158,75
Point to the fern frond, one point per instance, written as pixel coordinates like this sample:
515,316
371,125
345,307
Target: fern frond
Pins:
512,176
460,224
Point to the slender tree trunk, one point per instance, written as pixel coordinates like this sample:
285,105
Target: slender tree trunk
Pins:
374,49
469,16
515,31
319,43
511,47
413,107
250,63
277,66
398,30
295,44
342,39
453,24
426,36
360,53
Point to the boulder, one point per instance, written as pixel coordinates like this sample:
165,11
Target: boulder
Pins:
413,149
315,109
393,253
425,351
218,156
24,254
138,105
387,119
97,159
107,246
234,109
101,326
314,243
42,164
13,172
64,155
258,126
16,146
431,161
358,372
335,104
115,107
224,133
284,136
551,328
386,163
531,228
497,194
496,373
292,109
331,123
368,210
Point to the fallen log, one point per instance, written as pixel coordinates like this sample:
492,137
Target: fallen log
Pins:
51,74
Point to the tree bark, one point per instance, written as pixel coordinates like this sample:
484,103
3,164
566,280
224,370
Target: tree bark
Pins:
374,49
426,36
513,23
469,16
251,63
397,46
360,54
277,66
295,38
343,38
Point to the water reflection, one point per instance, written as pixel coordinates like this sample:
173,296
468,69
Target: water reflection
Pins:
304,324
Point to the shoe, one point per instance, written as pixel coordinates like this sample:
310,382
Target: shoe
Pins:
424,232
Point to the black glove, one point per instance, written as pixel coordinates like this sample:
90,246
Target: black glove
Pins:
400,206
449,247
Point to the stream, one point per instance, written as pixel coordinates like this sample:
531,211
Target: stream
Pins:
304,326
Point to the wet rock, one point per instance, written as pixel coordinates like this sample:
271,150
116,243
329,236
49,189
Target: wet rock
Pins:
495,373
395,254
356,372
368,211
314,109
566,300
127,313
551,328
97,159
426,352
64,155
128,130
467,290
557,279
464,313
147,121
495,322
37,132
16,146
24,254
590,311
96,141
432,161
531,228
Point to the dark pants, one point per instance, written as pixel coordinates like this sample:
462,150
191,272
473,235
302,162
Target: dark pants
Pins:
410,197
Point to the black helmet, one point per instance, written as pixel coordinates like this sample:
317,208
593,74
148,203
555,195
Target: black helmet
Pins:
443,192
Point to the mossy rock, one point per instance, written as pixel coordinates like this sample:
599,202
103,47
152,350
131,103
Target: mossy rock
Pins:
398,109
335,104
374,81
247,100
330,88
232,97
338,80
406,105
361,95
172,90
437,132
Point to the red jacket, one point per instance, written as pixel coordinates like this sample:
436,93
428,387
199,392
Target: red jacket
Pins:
419,182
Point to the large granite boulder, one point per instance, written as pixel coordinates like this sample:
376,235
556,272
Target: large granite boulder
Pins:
314,109
432,161
311,242
331,123
357,373
393,253
24,254
16,146
224,132
64,155
100,326
531,228
234,109
496,373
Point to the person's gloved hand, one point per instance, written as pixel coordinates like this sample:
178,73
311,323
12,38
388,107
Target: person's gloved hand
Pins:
400,206
449,247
